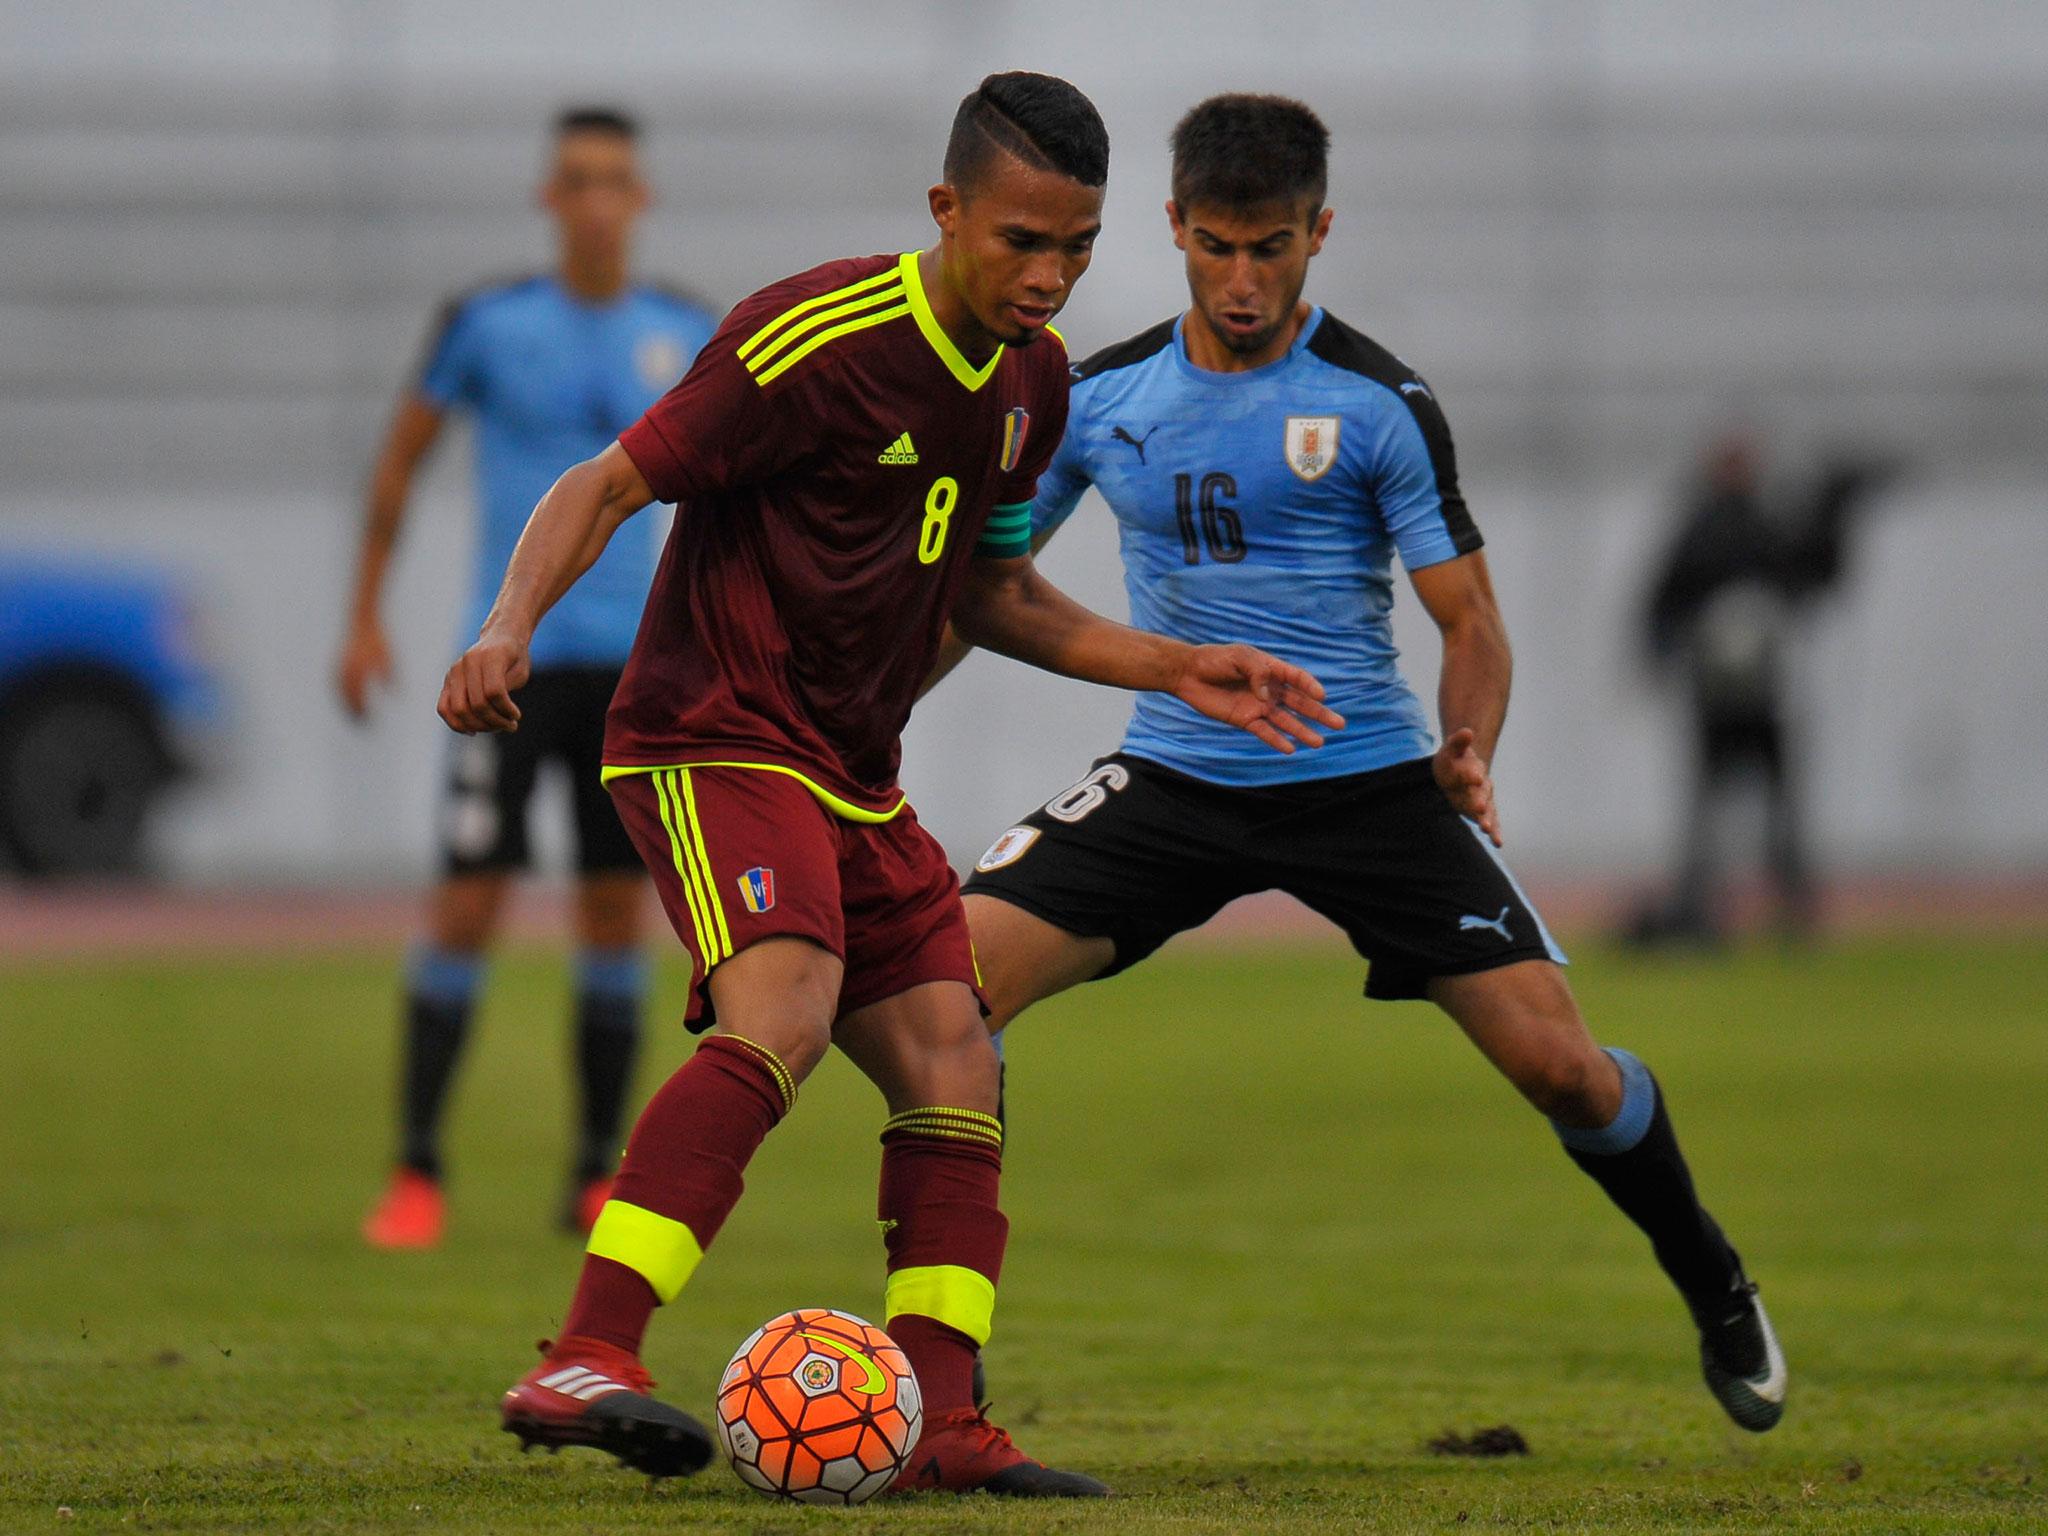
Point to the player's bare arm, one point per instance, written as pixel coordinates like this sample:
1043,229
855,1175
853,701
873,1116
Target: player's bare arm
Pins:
952,649
567,532
365,659
1472,690
1008,607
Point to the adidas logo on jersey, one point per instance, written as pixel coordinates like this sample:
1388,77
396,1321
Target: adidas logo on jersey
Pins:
898,452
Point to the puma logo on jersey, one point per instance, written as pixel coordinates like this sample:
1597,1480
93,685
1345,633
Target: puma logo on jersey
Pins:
1469,923
898,452
1122,435
1417,387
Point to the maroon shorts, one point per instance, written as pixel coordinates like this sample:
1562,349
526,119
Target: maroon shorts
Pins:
745,854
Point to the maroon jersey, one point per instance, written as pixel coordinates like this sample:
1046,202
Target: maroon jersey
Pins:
836,462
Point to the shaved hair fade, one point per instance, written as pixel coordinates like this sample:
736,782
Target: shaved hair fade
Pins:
1040,119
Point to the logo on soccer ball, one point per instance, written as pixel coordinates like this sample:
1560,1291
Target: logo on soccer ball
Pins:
819,1407
1311,445
757,889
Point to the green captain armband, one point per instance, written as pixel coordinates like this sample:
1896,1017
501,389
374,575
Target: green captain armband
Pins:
1007,535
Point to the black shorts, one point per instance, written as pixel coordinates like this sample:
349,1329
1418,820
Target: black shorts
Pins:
1137,853
491,778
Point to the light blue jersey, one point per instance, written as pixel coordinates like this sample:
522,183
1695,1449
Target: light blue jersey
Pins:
1265,507
553,380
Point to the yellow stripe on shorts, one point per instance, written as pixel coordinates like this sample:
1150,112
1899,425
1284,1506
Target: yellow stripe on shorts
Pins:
715,901
707,946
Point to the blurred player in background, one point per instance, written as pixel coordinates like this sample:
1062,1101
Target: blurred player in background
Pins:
1265,463
857,449
550,368
1728,612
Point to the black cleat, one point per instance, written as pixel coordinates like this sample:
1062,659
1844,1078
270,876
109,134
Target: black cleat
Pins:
960,1451
1741,1360
1034,1480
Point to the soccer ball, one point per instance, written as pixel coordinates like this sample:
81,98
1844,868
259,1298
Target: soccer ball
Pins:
819,1407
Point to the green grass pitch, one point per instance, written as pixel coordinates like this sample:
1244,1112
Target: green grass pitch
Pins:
1267,1240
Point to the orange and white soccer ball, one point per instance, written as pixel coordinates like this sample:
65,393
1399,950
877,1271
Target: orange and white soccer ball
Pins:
820,1407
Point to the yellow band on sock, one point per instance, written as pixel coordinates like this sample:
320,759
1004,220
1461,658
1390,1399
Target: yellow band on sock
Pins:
959,1124
659,1249
785,1080
960,1298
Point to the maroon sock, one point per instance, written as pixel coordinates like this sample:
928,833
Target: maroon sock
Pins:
684,1160
938,1207
612,1303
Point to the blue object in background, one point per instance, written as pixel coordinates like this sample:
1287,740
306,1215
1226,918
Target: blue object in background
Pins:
106,697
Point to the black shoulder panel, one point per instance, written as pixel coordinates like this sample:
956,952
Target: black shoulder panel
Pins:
1124,353
1342,347
452,308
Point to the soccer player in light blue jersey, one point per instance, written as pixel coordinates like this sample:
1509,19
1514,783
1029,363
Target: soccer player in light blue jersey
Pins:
549,369
1266,463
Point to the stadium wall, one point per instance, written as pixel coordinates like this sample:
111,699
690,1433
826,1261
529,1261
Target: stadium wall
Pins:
1603,229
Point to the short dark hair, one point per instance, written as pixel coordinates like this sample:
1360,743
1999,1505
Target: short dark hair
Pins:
1042,120
596,120
1245,151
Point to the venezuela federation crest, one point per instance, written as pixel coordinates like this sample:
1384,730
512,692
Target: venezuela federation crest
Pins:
757,889
1015,424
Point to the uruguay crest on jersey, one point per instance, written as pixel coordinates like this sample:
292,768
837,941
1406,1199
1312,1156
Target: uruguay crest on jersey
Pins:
1311,445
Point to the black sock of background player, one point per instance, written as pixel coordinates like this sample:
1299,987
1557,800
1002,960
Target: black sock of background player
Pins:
441,990
610,985
1636,1160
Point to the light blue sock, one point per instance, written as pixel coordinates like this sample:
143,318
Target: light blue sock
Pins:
620,973
447,976
1630,1123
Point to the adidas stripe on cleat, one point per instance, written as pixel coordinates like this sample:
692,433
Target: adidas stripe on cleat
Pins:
899,452
590,1393
1741,1360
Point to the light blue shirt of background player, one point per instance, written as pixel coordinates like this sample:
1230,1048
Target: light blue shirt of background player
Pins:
1265,506
551,379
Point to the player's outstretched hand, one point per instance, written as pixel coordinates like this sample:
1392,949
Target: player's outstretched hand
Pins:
1462,775
1244,687
477,693
365,663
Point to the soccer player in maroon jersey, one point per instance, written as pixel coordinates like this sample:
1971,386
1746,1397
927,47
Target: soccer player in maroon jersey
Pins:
855,452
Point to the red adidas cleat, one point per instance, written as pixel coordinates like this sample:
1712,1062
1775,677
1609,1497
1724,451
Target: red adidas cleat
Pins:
411,1214
587,1392
579,1212
962,1452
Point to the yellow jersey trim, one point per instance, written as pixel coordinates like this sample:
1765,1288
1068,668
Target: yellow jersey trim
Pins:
1056,336
659,1249
886,276
844,809
844,328
970,377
